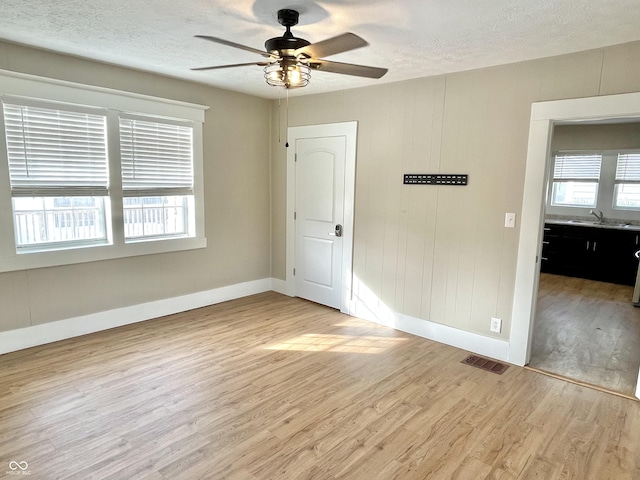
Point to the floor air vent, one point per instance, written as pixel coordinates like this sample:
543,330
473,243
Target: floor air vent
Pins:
486,364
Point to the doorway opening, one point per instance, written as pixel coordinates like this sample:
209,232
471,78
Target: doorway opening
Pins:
586,327
544,116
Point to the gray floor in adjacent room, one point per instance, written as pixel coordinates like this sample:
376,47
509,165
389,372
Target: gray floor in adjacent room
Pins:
587,331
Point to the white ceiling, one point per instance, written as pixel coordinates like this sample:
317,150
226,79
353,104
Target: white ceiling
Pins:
412,38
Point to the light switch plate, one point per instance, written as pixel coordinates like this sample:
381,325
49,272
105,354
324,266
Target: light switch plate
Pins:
510,220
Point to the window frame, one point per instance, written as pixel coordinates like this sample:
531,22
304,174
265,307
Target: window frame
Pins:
62,180
164,186
553,180
617,183
606,188
116,102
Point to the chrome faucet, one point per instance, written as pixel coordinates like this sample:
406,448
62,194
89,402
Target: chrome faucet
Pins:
598,214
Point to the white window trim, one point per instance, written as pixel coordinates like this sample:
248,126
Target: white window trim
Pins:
616,183
605,199
49,90
553,180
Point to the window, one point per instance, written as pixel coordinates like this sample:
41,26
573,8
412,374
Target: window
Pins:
58,175
94,174
627,183
41,221
59,178
575,180
157,178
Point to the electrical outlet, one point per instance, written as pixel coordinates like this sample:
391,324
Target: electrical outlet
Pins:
496,325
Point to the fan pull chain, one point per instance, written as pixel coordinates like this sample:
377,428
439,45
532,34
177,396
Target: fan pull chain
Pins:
287,144
279,122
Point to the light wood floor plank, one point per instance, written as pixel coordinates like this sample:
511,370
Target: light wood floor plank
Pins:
271,387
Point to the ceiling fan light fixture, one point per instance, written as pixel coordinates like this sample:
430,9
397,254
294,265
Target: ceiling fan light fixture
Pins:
290,59
287,74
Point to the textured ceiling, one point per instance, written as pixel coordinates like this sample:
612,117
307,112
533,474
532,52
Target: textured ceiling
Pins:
413,38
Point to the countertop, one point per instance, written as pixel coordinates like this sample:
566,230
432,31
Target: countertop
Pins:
596,224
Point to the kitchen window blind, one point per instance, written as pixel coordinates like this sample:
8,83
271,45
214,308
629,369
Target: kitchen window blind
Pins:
575,179
626,194
628,168
577,167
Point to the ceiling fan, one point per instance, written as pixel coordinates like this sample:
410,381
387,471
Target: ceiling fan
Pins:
289,60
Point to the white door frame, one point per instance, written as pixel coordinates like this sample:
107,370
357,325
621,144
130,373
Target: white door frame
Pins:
348,130
544,115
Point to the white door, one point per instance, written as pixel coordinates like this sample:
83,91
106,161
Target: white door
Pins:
319,218
320,196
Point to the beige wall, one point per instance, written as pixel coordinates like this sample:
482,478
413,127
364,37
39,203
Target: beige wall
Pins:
596,137
437,253
618,136
237,215
442,253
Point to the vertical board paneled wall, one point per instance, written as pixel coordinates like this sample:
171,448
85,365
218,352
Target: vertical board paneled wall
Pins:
435,252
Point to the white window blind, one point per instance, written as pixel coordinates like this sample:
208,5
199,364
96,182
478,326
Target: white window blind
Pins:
577,167
628,168
55,152
156,156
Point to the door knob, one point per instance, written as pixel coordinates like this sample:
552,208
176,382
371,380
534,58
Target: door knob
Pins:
338,231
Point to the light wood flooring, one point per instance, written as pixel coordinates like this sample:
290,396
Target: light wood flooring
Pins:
277,388
588,331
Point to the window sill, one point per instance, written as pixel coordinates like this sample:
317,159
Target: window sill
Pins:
54,258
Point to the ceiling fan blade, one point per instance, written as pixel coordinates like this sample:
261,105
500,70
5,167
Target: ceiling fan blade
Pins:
222,41
347,68
331,46
260,64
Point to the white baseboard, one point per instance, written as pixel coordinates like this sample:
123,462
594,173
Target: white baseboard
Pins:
13,340
279,286
472,342
22,338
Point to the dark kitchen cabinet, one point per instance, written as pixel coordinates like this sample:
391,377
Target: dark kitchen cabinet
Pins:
595,253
